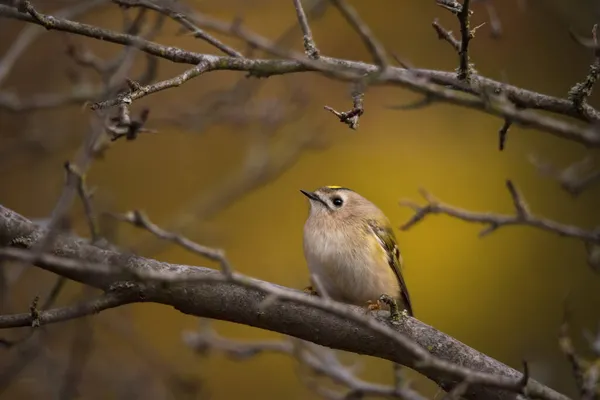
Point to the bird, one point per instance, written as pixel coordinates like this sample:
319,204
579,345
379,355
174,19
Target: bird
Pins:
350,246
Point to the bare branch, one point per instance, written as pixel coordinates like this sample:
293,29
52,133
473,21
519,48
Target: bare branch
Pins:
351,117
138,92
352,71
41,318
321,362
495,221
208,293
444,34
140,220
581,91
464,70
574,178
30,33
183,20
310,47
375,47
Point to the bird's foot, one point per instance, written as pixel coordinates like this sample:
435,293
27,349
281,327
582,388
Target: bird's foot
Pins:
310,290
374,305
395,315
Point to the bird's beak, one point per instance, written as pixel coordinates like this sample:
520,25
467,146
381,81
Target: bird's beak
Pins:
311,195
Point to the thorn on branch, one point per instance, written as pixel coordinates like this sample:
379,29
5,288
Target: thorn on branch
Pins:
444,34
503,133
524,381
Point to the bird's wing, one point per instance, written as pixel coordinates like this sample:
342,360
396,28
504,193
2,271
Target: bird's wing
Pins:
386,238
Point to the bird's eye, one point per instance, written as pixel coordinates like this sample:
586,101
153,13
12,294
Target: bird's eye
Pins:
337,201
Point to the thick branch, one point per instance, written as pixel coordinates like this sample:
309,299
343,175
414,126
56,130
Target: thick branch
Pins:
208,293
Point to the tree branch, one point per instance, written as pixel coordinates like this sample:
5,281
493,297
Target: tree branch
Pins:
523,216
209,293
104,302
480,99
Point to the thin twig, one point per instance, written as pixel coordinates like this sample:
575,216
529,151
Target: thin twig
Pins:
495,221
444,34
140,220
310,47
375,47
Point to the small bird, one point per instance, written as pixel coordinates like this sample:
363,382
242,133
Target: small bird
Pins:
349,244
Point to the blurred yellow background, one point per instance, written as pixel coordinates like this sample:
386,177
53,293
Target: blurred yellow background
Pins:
502,295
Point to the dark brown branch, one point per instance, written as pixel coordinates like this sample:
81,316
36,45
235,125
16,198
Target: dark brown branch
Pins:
40,318
464,69
463,13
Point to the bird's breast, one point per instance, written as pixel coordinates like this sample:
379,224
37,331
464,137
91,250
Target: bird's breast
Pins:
349,268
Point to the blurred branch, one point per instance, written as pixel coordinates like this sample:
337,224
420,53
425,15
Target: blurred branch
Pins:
81,349
586,373
574,178
375,47
523,216
439,85
180,17
320,361
208,293
30,33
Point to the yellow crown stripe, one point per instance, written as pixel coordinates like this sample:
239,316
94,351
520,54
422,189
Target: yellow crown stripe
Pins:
333,187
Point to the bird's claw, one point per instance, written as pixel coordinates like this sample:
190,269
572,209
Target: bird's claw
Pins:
309,290
395,315
373,305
